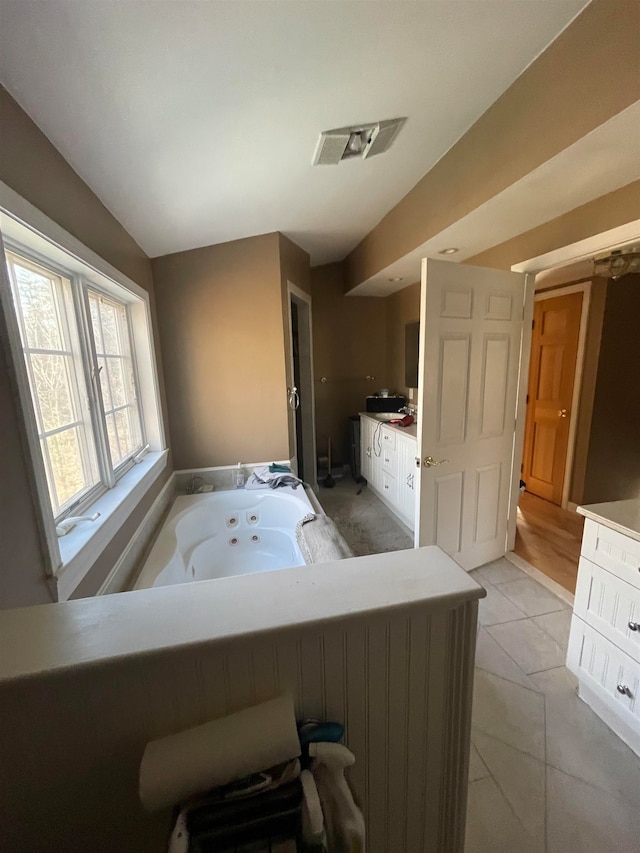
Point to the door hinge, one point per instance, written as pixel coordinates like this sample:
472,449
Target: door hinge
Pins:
527,400
533,324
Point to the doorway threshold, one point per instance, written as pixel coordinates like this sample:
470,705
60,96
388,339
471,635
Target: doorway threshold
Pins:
539,576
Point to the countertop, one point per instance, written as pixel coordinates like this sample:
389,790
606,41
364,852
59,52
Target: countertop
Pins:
56,637
623,516
411,431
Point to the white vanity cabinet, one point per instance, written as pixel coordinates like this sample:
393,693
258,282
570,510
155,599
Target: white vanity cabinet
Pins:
407,478
604,645
387,456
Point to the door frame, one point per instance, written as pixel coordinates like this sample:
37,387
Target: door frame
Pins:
307,396
538,267
583,287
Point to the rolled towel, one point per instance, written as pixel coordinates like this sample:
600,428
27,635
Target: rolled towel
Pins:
343,819
215,753
320,541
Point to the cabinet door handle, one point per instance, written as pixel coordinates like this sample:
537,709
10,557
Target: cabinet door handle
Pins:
622,688
635,626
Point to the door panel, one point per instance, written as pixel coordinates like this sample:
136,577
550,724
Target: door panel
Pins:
470,340
554,348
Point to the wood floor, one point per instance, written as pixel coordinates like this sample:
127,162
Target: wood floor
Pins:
549,538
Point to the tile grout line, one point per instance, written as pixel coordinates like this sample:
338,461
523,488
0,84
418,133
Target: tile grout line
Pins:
497,784
533,672
591,785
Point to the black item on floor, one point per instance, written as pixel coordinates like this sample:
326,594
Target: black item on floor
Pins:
385,404
226,825
328,481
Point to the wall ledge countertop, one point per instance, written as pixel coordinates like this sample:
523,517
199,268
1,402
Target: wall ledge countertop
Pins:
410,431
53,638
623,516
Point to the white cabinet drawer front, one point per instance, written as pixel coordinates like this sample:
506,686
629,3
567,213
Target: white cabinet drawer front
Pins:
612,550
389,438
606,669
609,605
389,461
389,487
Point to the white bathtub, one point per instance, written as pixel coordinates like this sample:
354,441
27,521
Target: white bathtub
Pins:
226,533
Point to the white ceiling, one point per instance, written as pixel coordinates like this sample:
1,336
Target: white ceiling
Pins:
195,122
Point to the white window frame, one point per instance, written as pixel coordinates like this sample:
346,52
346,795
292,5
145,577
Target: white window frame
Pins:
27,231
88,495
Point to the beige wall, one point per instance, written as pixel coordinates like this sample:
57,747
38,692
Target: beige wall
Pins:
602,214
613,465
609,211
577,84
401,308
222,338
31,166
295,268
350,343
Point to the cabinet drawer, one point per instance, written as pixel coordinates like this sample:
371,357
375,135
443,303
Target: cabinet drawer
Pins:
615,552
609,605
389,438
389,487
606,670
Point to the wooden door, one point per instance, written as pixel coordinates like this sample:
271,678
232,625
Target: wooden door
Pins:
554,347
470,344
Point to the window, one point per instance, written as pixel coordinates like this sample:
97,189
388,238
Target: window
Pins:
79,354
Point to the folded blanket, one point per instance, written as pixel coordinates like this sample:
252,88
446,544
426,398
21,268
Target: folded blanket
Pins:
319,540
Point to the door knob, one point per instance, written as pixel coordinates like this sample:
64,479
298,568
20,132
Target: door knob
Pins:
622,688
430,462
562,413
634,626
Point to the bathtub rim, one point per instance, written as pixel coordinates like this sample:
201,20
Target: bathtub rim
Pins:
174,511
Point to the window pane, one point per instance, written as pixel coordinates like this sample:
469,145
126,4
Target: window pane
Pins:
95,322
66,464
109,327
110,324
40,317
104,384
116,381
127,424
47,320
114,447
52,389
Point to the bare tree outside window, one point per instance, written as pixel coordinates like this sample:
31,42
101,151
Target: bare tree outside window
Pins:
44,302
85,396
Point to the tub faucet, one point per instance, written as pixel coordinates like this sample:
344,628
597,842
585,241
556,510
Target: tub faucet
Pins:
67,524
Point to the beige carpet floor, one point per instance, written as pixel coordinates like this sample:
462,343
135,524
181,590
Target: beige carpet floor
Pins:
364,521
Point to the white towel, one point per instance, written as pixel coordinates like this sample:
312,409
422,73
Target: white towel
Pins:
320,541
272,479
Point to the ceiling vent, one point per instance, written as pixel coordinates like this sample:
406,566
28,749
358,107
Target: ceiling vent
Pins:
357,142
617,264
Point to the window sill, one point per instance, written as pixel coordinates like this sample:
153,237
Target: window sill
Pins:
83,545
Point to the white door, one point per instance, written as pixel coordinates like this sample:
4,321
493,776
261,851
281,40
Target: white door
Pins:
470,344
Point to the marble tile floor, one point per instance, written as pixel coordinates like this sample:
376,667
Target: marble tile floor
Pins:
546,774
